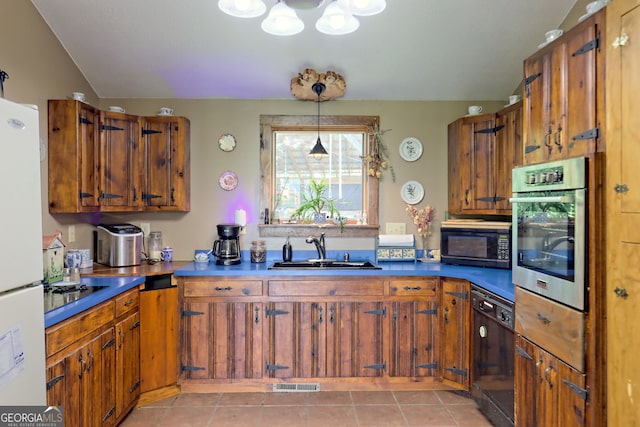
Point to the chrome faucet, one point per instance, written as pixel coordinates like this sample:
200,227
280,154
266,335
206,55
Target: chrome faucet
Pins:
320,247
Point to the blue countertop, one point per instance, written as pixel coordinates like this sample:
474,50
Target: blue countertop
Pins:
115,285
493,280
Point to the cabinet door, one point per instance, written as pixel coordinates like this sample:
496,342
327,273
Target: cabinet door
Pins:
159,327
531,407
413,339
455,327
221,340
536,68
73,156
122,163
166,173
127,362
56,383
508,153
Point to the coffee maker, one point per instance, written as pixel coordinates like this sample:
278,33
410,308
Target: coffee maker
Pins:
227,248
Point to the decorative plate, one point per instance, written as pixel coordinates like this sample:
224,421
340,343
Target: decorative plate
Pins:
412,192
227,142
228,180
410,149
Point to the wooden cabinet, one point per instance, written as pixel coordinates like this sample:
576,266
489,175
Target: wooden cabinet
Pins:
564,101
548,392
413,330
482,151
114,162
121,162
622,212
366,330
74,154
93,363
166,163
455,318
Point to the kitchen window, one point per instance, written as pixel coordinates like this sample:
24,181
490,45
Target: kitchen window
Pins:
287,171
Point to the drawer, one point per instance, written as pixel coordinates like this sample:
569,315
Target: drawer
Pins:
554,327
222,288
303,288
127,301
71,330
413,287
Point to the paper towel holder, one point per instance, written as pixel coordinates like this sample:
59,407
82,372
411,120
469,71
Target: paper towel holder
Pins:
393,252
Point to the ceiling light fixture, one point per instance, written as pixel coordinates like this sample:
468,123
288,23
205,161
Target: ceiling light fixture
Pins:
282,20
318,151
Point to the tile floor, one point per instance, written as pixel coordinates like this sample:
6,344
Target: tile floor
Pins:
325,408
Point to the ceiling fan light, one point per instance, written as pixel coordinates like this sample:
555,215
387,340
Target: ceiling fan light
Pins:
282,21
336,21
363,7
242,8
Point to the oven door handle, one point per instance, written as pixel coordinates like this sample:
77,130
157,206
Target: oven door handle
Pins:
542,199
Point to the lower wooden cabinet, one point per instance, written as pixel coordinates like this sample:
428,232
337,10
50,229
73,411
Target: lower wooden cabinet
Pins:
93,363
366,329
455,318
548,392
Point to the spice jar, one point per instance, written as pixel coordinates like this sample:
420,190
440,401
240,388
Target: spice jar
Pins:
258,251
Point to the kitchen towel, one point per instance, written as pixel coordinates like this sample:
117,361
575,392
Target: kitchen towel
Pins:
404,240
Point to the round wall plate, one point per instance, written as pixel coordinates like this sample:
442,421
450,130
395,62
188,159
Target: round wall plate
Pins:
227,142
228,180
412,192
410,149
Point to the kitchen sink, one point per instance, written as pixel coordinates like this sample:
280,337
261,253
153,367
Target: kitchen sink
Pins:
326,264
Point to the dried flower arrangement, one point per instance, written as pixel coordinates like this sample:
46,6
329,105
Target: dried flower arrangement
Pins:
377,160
422,218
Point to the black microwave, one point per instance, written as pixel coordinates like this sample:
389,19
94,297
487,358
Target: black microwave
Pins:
476,243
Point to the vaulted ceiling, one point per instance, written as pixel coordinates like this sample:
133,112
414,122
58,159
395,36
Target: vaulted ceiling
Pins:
413,50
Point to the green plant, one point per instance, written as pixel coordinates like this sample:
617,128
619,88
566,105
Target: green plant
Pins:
317,203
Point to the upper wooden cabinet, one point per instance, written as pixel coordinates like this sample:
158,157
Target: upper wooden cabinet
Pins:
482,151
564,97
115,162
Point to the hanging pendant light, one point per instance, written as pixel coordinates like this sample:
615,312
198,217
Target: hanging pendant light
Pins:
282,21
318,151
337,21
242,8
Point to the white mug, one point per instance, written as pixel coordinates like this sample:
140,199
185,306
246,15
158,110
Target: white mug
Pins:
475,109
514,98
78,96
166,111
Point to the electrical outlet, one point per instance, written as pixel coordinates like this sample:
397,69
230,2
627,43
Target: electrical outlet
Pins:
71,234
396,228
146,228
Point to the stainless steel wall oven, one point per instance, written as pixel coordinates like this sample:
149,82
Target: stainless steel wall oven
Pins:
549,233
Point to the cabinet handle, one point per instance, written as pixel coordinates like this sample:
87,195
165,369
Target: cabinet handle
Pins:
320,316
82,365
92,360
121,335
257,318
621,293
446,315
538,365
621,188
409,288
218,288
543,319
546,376
547,140
332,313
620,41
557,138
466,197
128,303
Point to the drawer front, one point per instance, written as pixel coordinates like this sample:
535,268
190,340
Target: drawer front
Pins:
223,288
413,287
327,288
67,332
127,301
554,327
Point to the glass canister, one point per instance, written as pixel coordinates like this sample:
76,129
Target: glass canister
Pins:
155,245
258,251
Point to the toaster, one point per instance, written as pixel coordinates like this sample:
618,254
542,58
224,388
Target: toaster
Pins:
118,245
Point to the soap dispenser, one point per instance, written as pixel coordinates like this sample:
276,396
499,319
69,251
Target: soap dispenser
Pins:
287,251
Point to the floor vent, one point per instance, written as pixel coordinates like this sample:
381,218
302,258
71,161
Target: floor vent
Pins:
298,387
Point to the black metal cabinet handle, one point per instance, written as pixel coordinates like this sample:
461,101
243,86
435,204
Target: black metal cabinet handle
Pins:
218,288
543,319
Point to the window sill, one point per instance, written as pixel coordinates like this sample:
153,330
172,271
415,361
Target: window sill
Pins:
304,230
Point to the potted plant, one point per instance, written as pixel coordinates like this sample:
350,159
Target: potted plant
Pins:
317,205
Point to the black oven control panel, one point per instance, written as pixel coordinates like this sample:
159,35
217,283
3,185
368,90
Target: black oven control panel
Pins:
493,306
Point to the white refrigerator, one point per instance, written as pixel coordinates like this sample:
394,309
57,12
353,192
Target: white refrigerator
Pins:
22,354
